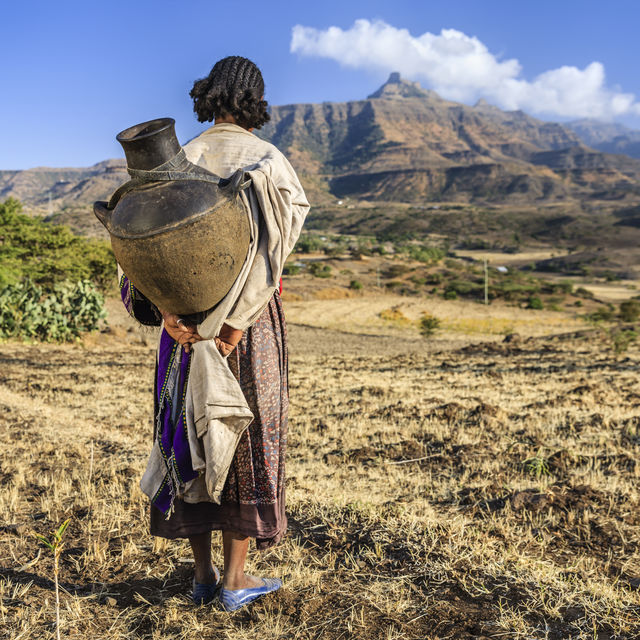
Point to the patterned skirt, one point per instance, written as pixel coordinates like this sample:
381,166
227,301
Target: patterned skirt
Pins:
253,499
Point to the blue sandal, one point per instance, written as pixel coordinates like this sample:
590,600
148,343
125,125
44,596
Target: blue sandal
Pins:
205,593
234,599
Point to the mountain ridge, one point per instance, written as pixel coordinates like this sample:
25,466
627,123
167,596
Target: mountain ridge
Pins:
608,137
407,143
403,143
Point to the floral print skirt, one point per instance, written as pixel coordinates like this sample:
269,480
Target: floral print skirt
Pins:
253,498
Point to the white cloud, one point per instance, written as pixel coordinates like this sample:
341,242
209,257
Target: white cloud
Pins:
460,67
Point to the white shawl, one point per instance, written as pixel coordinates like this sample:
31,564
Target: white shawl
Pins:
216,410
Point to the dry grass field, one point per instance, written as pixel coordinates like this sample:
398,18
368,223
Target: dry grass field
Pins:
460,487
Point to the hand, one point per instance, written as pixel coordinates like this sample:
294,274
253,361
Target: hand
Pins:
183,333
224,347
227,340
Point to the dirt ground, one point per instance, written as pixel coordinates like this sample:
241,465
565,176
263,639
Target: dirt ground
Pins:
445,488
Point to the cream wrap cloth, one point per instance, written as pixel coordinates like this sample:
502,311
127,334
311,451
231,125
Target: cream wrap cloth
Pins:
216,410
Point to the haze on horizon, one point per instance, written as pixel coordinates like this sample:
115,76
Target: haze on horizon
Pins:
80,73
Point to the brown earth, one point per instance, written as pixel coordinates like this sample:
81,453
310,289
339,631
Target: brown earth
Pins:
453,490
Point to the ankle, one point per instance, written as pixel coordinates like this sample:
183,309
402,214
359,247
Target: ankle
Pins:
234,580
205,575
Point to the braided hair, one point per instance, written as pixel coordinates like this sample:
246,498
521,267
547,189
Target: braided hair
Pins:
234,87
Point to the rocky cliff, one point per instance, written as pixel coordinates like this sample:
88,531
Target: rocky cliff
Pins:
408,144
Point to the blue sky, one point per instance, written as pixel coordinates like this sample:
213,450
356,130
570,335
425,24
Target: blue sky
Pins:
75,73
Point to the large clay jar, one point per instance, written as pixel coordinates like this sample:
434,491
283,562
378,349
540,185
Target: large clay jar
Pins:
180,233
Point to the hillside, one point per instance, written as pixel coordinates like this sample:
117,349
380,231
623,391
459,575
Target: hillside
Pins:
404,143
609,137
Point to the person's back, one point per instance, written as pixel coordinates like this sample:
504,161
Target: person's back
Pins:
253,343
226,147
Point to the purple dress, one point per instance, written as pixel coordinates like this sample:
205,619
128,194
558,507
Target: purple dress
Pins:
253,498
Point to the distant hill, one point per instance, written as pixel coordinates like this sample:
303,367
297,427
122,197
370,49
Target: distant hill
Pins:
401,144
609,137
43,188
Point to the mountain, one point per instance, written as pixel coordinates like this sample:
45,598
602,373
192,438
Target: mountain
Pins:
404,143
609,137
401,144
42,187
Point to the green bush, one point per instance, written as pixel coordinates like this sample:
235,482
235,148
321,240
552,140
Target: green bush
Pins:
291,269
334,251
601,314
428,325
426,254
356,285
630,310
581,292
534,303
621,339
320,270
60,315
564,286
48,254
308,244
450,294
396,270
465,287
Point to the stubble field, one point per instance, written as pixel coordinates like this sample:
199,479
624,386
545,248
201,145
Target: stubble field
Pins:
458,488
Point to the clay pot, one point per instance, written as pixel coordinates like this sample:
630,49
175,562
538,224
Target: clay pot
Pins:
180,233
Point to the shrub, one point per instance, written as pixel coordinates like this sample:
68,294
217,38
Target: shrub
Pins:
291,269
465,287
621,339
320,270
534,303
356,285
450,294
396,270
308,244
630,310
27,311
601,314
428,325
425,253
584,293
565,287
47,254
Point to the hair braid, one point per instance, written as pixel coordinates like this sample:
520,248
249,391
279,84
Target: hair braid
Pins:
233,87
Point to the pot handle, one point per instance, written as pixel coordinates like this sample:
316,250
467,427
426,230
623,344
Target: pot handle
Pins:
235,183
103,213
